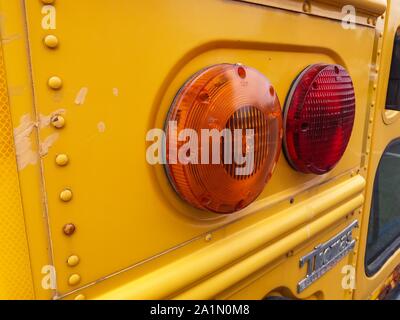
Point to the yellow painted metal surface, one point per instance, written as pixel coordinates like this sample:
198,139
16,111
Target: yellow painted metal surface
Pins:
384,129
88,79
23,116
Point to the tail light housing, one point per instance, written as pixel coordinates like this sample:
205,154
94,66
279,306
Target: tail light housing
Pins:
318,118
223,98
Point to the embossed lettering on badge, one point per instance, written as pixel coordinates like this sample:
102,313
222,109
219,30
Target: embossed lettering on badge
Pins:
325,256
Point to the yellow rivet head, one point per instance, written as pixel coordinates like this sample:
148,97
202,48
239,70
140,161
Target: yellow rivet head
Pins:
66,195
69,229
58,121
208,237
51,41
74,279
62,160
73,261
55,83
80,297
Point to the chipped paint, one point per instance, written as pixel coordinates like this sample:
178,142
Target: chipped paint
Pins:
48,143
25,153
81,96
23,143
101,126
44,121
11,38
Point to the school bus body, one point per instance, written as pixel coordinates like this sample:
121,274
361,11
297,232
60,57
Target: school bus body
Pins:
121,63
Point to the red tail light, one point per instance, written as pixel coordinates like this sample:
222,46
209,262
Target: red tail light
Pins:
318,119
223,97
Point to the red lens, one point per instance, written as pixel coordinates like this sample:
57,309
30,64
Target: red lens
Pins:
319,117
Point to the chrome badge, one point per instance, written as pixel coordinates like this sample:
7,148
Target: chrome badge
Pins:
325,256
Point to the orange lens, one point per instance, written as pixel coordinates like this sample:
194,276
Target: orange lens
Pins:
224,132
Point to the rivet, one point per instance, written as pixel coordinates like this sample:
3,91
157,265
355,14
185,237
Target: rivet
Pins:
369,20
379,52
291,200
51,41
372,104
74,279
380,34
73,260
306,7
208,237
58,121
62,160
66,195
376,69
55,83
375,86
69,229
80,297
48,1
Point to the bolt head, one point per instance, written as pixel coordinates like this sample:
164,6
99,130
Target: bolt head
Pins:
51,41
69,229
73,260
66,195
55,83
62,160
74,279
58,121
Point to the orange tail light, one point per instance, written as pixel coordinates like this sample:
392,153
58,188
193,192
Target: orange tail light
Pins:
235,115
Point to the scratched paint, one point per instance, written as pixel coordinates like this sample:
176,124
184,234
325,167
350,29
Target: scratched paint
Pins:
81,96
23,143
101,126
25,152
44,120
48,143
